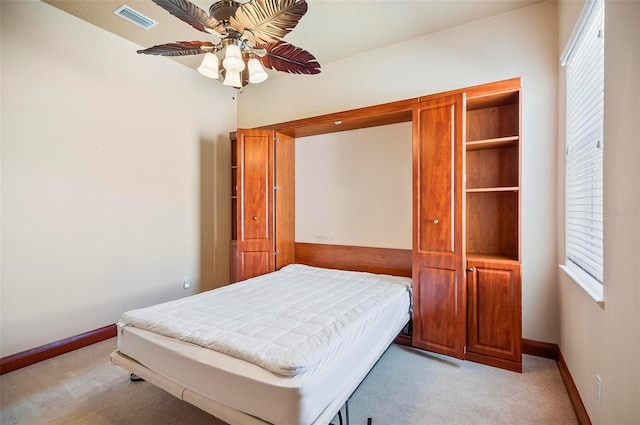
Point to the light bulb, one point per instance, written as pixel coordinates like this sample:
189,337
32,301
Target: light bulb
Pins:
233,59
209,66
257,73
232,79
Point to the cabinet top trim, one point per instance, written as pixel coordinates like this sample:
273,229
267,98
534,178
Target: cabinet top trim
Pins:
383,114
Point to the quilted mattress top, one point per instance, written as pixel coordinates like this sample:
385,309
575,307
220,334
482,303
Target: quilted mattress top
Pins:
284,321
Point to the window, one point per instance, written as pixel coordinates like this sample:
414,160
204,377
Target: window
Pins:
583,60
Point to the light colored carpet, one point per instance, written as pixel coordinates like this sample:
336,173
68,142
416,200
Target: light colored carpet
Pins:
406,387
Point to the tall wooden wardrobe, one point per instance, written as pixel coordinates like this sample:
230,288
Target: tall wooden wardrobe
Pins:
262,202
466,212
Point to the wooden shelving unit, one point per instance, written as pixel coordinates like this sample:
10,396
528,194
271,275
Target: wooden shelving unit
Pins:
493,175
492,196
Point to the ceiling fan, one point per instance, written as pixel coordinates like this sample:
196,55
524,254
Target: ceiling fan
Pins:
245,36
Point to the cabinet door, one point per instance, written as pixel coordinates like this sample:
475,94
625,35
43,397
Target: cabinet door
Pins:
284,200
255,215
494,313
438,270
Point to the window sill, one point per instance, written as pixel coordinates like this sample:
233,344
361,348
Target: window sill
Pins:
595,294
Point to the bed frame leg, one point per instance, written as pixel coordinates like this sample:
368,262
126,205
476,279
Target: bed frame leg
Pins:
346,409
135,378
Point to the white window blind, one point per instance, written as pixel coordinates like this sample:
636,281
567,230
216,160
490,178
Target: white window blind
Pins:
584,61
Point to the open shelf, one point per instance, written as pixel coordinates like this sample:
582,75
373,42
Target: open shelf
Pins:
493,120
492,223
493,168
492,99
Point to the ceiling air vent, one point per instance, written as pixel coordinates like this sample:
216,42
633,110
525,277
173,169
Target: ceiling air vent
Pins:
132,15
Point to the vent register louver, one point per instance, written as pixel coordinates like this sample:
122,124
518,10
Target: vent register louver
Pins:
133,16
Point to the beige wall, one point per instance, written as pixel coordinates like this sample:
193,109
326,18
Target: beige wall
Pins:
115,180
340,179
596,341
520,43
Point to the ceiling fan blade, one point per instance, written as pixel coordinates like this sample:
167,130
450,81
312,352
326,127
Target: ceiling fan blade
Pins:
267,21
189,13
180,48
285,57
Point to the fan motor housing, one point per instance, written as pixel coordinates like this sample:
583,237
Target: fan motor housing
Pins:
223,10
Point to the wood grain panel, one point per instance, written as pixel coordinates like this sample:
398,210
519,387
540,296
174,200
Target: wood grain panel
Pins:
439,322
254,263
393,112
284,199
233,261
435,311
391,261
255,242
492,94
494,310
371,116
257,174
436,169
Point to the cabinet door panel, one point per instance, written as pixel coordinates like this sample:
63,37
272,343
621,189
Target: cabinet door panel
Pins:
438,268
255,243
436,178
284,199
435,308
255,263
257,173
494,322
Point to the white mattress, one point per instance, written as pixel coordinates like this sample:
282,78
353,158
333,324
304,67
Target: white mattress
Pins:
311,397
285,322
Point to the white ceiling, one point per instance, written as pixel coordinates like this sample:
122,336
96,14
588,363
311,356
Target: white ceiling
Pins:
331,29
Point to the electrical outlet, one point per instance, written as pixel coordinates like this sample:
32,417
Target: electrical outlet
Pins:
185,283
598,389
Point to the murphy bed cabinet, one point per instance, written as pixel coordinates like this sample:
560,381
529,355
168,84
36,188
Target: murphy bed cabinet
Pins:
262,202
466,202
466,213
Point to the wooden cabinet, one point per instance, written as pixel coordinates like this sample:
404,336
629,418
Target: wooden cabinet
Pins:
262,202
492,226
439,322
466,212
494,311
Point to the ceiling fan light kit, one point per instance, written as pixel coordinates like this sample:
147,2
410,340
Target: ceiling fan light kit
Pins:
209,66
246,38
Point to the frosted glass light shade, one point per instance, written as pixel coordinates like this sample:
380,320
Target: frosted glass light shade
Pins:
209,66
233,59
232,79
257,73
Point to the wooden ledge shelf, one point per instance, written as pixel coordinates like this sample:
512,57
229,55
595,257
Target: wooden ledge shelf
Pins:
498,142
476,256
493,189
